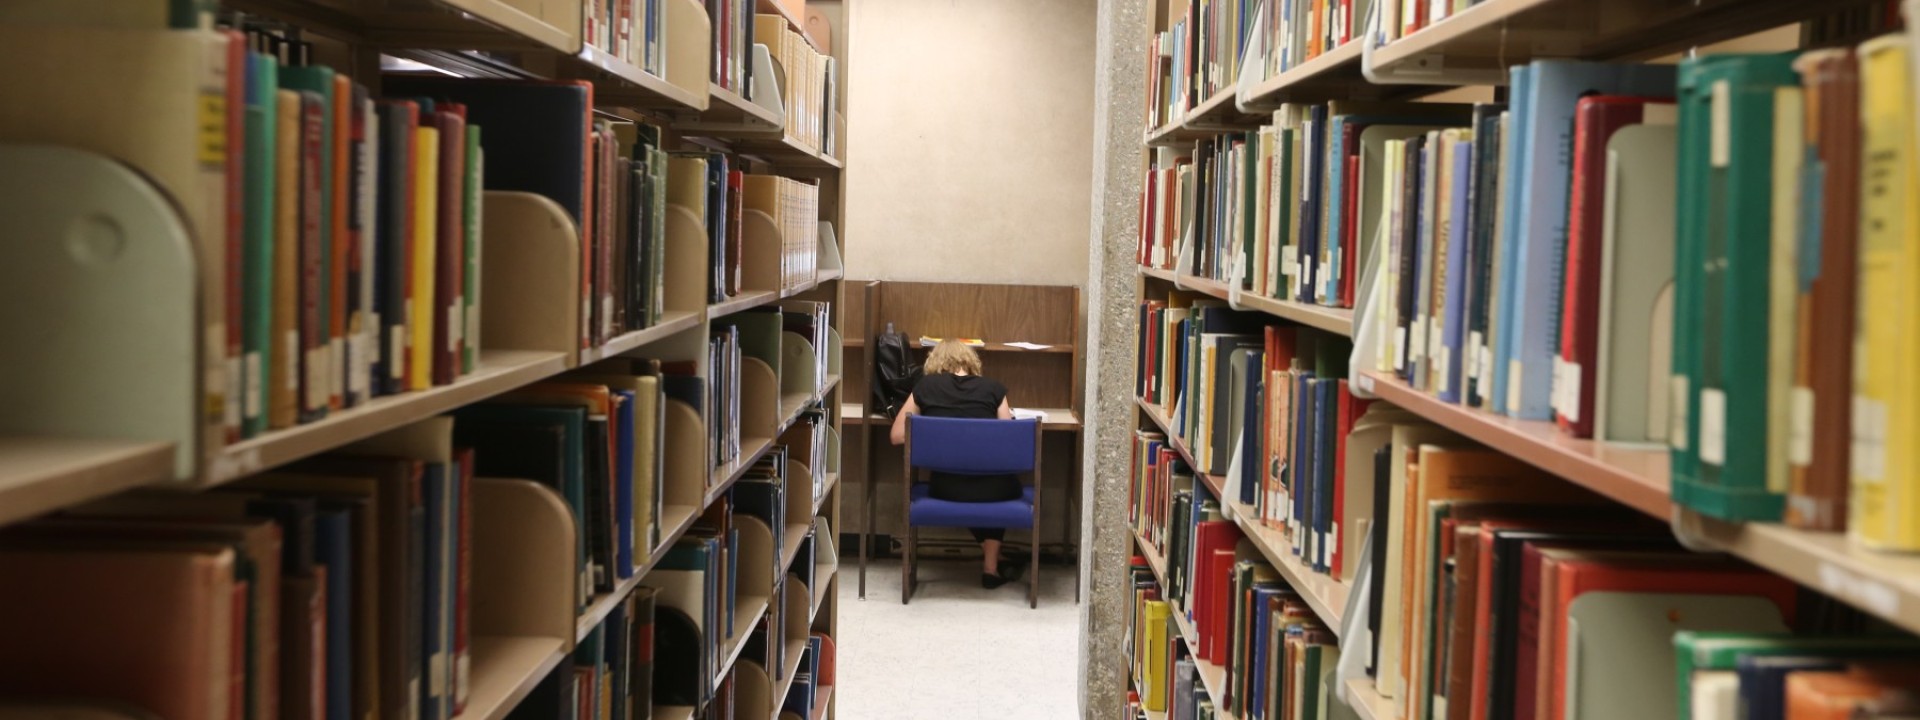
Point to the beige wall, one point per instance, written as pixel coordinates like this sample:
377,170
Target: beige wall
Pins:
969,140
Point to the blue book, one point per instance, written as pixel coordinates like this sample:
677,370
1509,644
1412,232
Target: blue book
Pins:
1453,312
436,702
1519,88
616,656
333,548
1763,681
1543,148
623,422
1298,475
1250,426
1326,416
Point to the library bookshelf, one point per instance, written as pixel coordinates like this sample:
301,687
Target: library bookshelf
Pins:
1469,44
529,614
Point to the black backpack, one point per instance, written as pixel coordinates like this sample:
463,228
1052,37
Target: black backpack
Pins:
894,372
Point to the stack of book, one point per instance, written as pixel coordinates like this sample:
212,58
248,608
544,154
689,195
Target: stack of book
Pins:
632,30
733,41
808,85
794,207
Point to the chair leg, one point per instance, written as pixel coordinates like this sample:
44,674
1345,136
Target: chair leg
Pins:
1033,575
906,570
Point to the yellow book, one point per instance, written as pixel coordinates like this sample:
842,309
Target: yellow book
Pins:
1154,696
426,194
1885,494
1783,287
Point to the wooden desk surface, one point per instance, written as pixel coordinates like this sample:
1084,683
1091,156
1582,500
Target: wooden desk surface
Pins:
1058,419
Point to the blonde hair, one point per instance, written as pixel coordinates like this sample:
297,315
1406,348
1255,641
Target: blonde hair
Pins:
952,356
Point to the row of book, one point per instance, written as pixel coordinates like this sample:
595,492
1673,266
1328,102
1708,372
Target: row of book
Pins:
335,587
809,84
1503,279
716,188
1265,405
733,27
1270,655
632,30
351,242
1195,56
1296,31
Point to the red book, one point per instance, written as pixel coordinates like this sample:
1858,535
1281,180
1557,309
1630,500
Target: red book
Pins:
450,246
1350,231
312,402
1208,537
1349,410
344,113
736,233
463,581
1220,615
1144,254
1596,118
236,230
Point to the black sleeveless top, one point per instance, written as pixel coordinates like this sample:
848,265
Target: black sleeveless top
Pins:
965,396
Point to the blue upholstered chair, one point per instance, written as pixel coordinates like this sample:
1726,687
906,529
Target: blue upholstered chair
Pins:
971,447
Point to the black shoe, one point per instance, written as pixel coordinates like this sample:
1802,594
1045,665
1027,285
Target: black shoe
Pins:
991,581
1012,568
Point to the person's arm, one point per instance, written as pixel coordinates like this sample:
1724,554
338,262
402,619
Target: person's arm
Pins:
899,434
1006,411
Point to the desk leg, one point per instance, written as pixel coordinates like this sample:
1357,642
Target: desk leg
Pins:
866,502
1073,506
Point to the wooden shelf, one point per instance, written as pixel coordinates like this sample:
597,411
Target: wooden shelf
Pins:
498,372
40,474
671,322
1634,477
1885,584
1219,114
724,476
1216,484
789,549
1062,348
822,583
505,671
793,404
675,520
635,87
672,712
1058,419
747,300
728,107
515,21
1367,701
1338,321
1331,74
1164,135
786,151
602,606
822,701
833,479
1497,34
1324,593
755,607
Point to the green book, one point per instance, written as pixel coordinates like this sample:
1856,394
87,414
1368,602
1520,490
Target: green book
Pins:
470,344
1726,222
263,85
1705,662
1695,99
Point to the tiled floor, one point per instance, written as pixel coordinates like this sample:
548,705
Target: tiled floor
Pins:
959,652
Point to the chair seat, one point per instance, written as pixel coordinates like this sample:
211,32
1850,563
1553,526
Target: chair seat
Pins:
930,512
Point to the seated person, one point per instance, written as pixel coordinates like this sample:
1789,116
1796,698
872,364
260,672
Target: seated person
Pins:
954,388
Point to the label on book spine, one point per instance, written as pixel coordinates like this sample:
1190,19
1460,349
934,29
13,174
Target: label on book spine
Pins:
1869,438
456,321
291,346
254,384
1713,426
1800,432
1677,399
1516,376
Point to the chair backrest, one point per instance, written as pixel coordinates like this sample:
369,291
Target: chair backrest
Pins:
972,447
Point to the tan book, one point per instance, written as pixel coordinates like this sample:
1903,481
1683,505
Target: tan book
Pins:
283,347
64,609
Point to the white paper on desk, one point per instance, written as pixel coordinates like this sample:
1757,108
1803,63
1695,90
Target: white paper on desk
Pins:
1028,346
1025,414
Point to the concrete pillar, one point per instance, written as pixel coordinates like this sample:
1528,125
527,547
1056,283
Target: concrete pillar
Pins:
1119,123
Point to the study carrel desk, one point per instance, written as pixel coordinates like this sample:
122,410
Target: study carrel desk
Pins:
1047,379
